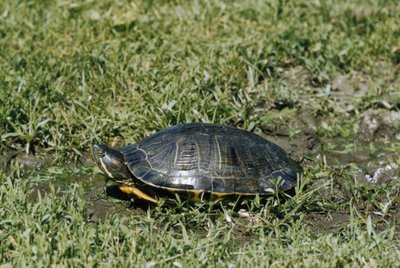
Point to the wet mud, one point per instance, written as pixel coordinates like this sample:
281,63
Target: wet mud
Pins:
102,200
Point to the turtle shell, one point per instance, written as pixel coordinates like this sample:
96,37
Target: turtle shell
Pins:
211,158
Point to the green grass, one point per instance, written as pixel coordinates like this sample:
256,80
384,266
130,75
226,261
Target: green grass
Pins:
82,72
53,229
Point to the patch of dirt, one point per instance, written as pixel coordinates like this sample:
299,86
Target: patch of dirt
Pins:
86,160
27,161
347,91
6,157
34,161
300,146
326,223
340,156
99,209
39,160
379,124
305,142
101,201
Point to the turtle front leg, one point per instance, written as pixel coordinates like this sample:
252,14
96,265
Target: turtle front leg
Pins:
132,190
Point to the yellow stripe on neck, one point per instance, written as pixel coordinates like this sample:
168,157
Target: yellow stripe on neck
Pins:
109,174
128,189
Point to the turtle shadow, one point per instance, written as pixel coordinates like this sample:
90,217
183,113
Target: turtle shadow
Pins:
114,191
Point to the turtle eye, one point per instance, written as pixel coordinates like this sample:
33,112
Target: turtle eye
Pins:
100,154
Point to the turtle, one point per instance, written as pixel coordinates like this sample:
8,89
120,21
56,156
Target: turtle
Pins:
199,161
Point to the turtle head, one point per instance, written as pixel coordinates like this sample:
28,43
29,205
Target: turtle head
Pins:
111,162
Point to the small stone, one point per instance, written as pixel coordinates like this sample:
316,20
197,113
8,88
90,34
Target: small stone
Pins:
244,214
94,15
382,174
